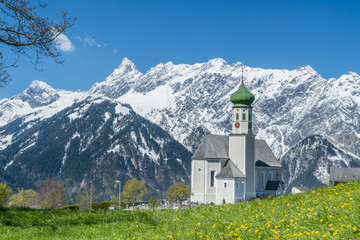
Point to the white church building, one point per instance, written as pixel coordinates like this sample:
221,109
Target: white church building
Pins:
237,167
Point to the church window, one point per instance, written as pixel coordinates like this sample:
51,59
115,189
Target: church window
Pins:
225,185
244,116
199,169
212,179
238,185
263,179
237,116
249,117
271,176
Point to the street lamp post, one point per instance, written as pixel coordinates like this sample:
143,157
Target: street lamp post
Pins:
91,189
119,182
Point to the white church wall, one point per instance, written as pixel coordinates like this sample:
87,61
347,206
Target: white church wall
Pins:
225,190
266,172
239,189
250,167
198,180
213,168
237,151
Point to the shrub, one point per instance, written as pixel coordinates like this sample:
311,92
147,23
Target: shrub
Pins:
70,207
101,205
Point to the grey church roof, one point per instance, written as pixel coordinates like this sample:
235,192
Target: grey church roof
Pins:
264,157
213,146
344,174
230,170
273,185
217,147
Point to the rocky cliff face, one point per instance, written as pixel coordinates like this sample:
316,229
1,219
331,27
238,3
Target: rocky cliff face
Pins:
289,105
308,163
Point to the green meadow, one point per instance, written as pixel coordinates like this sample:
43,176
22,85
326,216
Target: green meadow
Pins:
325,213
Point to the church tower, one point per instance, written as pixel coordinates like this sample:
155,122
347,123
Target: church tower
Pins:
241,138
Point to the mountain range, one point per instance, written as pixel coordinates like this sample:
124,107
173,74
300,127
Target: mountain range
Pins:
147,125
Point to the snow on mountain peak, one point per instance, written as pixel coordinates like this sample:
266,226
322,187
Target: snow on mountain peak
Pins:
39,84
218,62
350,75
126,66
38,94
119,81
307,69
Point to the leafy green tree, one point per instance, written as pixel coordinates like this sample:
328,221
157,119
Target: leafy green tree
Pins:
51,194
5,191
24,198
133,191
24,32
179,192
153,202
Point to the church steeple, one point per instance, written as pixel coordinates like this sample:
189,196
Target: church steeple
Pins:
242,139
242,97
242,110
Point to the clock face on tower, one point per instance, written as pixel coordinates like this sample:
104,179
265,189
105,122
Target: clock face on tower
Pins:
237,125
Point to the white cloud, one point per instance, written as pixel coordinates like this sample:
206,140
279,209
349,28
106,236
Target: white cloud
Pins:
78,38
115,51
64,43
90,41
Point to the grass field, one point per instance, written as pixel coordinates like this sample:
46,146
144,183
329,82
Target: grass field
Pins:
325,213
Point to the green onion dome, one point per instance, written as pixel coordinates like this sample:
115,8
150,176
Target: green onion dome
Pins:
242,97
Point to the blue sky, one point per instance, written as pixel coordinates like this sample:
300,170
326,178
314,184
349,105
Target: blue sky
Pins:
266,34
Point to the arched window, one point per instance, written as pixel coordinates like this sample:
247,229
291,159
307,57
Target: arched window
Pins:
212,179
237,116
244,116
263,179
249,117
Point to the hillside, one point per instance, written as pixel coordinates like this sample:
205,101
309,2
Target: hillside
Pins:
96,139
325,213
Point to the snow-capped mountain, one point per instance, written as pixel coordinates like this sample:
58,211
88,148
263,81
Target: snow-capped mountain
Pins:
38,102
96,139
190,100
289,105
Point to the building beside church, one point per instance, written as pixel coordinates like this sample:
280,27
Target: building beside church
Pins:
344,175
237,167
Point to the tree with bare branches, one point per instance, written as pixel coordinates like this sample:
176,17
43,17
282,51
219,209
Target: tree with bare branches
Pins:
24,32
85,196
51,194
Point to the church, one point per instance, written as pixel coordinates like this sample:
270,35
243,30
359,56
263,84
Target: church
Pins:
237,167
